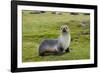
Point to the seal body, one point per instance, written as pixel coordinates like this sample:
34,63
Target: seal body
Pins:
48,46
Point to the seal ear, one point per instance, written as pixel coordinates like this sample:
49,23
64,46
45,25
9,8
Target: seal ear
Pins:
60,28
66,27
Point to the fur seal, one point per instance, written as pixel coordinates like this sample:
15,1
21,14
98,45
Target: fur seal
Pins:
56,46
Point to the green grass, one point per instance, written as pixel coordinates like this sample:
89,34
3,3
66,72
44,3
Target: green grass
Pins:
37,27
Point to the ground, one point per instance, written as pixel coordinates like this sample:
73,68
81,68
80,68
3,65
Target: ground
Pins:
37,27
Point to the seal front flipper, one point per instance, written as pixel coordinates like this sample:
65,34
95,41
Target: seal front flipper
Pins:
67,50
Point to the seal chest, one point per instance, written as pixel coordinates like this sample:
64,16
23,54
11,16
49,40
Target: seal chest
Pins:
64,41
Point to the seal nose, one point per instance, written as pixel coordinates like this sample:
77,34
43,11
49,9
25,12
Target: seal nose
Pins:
64,30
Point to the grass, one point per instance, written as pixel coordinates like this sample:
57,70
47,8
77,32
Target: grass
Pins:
37,27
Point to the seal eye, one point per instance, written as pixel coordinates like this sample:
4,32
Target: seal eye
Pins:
66,27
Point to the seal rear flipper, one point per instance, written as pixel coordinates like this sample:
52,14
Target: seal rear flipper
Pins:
41,54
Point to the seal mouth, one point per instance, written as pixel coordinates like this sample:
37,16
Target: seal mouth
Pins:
64,30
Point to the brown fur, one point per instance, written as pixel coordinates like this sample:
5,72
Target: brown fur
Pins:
50,50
